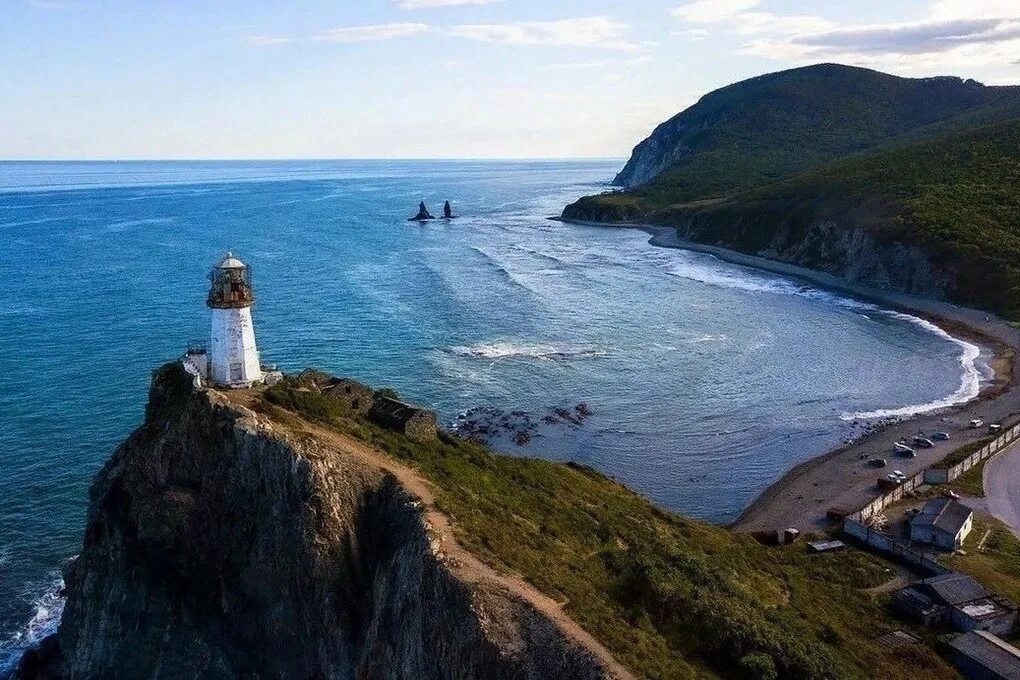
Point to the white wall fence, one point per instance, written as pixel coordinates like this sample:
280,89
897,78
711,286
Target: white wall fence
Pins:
855,524
892,547
941,476
879,504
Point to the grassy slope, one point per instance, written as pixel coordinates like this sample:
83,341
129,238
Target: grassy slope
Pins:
997,564
671,597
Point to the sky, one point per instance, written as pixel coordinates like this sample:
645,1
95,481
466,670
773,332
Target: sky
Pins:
121,79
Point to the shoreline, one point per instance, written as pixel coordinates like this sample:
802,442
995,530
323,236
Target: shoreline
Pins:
839,478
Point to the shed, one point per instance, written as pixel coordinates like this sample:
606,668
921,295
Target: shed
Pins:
983,656
943,523
415,422
956,601
355,396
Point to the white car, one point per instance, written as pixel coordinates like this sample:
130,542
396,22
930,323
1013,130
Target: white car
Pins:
976,423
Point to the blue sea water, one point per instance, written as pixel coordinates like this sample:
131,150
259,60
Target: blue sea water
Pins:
706,380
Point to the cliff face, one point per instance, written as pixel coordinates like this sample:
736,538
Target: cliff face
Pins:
852,240
218,546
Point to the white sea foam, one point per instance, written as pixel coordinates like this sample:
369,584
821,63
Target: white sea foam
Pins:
698,267
47,608
970,379
540,351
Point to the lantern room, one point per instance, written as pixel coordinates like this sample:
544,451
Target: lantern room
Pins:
230,284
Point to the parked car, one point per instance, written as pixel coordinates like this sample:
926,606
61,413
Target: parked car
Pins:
924,442
951,494
904,450
878,462
899,473
941,436
994,428
976,423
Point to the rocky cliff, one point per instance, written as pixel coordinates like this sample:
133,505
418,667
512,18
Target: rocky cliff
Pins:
853,240
221,545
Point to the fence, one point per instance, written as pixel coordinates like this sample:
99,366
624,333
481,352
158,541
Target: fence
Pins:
889,545
942,476
879,504
855,525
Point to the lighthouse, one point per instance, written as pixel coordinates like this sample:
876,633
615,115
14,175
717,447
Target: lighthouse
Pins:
233,357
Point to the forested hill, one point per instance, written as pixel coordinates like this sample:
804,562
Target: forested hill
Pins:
910,185
767,127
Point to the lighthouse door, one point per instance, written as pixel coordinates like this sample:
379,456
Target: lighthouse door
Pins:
236,372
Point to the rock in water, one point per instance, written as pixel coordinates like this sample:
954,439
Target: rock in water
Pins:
219,547
423,213
447,211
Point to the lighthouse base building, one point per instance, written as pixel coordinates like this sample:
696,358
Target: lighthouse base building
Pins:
232,359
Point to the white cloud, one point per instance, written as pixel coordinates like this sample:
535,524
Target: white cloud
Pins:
596,31
604,63
266,40
963,9
423,4
712,11
954,33
355,34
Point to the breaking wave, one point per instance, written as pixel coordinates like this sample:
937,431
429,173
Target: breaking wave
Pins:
540,351
47,608
700,267
970,379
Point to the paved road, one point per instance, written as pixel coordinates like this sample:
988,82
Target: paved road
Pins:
1002,487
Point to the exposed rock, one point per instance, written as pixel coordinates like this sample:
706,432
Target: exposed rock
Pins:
423,213
855,241
217,547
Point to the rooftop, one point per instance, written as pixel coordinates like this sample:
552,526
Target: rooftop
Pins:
944,514
230,262
955,588
991,652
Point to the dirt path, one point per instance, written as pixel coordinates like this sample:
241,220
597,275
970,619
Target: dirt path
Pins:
462,562
1002,487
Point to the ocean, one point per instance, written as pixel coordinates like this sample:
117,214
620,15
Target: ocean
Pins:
705,380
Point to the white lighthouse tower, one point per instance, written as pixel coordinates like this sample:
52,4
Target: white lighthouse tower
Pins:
233,358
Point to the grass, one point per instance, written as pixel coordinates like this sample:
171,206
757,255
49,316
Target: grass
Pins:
669,596
997,565
970,483
962,453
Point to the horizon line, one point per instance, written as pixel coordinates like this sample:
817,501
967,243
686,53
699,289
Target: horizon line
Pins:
240,159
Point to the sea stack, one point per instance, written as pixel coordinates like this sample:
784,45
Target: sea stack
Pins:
423,213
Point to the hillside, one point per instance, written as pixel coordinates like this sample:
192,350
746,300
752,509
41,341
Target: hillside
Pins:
930,210
669,596
939,217
765,128
275,533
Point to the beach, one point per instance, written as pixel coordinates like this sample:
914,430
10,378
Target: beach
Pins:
842,478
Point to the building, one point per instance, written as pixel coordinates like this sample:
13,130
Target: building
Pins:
943,523
233,357
958,602
357,397
416,423
983,656
231,360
